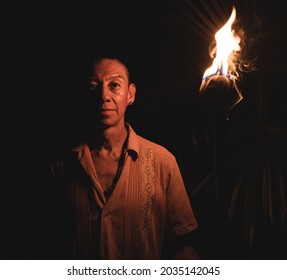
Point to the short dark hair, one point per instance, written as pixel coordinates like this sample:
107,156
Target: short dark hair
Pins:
125,59
99,59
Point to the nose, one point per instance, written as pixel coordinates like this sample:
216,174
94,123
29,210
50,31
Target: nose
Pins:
105,93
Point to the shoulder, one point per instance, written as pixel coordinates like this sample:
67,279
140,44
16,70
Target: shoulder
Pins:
58,163
155,148
147,148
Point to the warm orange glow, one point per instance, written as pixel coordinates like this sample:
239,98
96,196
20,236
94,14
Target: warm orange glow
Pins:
226,43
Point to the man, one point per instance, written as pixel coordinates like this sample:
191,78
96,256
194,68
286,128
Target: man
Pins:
124,196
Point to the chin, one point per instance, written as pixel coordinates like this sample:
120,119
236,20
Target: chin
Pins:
106,123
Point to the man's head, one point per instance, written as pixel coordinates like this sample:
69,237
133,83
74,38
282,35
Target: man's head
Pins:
110,91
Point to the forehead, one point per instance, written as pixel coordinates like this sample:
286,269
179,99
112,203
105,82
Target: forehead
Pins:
109,68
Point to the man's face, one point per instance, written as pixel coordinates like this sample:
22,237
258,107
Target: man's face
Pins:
110,92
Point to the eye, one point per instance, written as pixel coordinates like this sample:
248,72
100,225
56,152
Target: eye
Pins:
114,85
93,85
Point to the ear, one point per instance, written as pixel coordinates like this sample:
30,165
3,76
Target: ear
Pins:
132,93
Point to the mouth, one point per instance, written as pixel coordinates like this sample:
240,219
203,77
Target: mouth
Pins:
107,110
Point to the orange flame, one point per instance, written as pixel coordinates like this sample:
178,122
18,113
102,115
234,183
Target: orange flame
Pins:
226,43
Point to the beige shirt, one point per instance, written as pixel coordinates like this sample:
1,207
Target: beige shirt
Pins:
149,199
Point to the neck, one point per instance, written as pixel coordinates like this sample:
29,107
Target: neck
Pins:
110,138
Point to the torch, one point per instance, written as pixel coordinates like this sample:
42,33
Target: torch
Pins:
218,91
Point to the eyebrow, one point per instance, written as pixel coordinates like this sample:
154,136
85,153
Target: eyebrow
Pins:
115,77
108,79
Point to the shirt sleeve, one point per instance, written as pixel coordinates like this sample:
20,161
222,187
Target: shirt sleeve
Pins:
180,218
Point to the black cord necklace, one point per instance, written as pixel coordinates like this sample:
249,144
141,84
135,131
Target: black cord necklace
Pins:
109,191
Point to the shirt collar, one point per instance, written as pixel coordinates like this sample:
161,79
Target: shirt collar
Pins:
132,145
133,142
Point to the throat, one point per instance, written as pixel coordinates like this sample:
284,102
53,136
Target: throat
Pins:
109,165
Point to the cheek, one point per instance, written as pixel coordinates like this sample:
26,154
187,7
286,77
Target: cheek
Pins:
121,103
123,107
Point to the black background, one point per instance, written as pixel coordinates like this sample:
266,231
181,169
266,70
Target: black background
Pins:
166,51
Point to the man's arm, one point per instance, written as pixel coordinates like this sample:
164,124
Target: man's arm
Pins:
181,247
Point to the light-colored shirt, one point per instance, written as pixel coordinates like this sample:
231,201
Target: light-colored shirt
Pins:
148,201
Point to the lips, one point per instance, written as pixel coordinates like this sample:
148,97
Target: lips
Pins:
107,109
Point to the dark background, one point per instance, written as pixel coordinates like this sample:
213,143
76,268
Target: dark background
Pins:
165,44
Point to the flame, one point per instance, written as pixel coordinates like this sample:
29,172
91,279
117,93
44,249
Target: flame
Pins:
226,43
